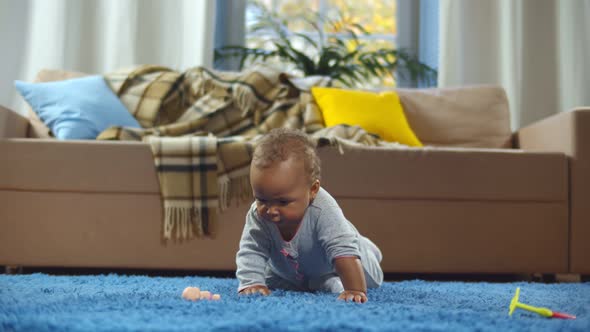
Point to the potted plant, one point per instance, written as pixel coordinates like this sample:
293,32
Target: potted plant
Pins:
339,54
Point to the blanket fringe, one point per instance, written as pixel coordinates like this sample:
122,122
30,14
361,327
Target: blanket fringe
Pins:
224,197
185,220
236,190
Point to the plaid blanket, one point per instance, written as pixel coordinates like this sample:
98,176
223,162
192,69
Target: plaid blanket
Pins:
202,126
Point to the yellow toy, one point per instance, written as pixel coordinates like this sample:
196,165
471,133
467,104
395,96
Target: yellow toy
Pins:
545,312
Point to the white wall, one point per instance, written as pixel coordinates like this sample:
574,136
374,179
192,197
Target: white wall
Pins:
98,36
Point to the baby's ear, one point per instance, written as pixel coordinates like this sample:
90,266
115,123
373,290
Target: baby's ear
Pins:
315,187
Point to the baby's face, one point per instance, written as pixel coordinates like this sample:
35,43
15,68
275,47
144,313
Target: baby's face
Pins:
282,191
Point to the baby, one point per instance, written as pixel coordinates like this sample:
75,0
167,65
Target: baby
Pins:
296,236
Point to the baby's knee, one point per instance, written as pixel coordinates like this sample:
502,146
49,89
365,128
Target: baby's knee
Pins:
330,283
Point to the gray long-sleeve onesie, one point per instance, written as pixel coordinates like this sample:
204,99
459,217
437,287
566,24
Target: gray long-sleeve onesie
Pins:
305,262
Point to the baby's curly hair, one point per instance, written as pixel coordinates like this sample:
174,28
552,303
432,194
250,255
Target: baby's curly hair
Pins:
281,143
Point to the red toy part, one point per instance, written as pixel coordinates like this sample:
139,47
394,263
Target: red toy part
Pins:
562,315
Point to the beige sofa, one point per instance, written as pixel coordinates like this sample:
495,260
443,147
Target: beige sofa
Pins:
476,199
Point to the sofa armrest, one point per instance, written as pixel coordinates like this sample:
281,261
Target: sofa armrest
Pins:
12,124
569,133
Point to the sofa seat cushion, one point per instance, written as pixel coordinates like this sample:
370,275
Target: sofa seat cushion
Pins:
445,174
368,173
77,166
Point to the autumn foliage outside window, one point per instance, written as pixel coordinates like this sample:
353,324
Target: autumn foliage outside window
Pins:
351,41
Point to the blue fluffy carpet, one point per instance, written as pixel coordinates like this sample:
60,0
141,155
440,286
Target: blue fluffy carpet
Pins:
40,302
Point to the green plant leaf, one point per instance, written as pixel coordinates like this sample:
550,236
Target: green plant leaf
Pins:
342,55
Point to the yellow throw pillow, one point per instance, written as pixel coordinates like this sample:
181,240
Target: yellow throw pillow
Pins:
378,113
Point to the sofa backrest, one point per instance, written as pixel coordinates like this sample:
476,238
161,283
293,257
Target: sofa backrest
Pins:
12,124
473,116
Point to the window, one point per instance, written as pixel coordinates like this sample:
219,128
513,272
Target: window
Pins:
376,17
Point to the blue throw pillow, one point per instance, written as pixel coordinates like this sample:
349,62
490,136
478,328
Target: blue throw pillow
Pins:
79,108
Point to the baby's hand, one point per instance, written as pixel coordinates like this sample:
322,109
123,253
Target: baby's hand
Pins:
255,290
353,296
